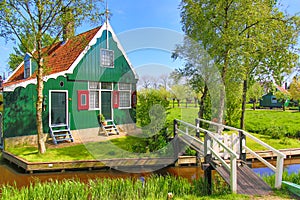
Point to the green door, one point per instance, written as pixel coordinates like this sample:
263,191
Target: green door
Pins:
106,108
58,108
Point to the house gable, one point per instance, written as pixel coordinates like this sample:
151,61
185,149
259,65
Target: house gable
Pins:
64,57
90,68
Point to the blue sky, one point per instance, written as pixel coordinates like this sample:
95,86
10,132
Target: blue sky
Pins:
132,15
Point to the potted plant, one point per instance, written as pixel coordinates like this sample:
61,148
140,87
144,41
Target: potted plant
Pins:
102,119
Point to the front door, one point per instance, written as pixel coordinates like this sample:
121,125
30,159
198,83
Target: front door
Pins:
58,108
106,108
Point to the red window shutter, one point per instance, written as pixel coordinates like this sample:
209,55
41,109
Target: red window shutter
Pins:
116,99
83,99
133,99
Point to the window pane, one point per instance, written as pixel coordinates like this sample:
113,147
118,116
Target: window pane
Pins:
124,86
83,99
27,73
106,86
94,85
94,99
124,99
107,58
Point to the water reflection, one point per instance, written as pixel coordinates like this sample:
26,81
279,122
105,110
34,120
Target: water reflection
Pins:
13,176
264,171
291,166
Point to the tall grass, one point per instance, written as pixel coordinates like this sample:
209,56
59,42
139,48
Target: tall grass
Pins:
293,177
153,187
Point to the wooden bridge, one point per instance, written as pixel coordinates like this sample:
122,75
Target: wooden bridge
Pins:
226,153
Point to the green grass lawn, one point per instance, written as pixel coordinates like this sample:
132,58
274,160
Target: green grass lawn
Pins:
115,148
122,147
259,120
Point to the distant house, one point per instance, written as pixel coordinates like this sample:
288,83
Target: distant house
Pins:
270,100
87,75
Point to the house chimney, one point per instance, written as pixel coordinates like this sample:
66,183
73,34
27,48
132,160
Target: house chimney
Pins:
68,22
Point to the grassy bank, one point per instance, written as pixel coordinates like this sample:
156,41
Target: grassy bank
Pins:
154,187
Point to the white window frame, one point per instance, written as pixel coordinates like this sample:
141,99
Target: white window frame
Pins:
99,95
99,89
125,90
111,57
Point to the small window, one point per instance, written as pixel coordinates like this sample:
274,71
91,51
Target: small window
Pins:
124,95
94,85
125,99
106,86
94,99
94,95
124,86
107,58
27,66
83,99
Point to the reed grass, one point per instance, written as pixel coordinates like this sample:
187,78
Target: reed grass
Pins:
293,177
153,187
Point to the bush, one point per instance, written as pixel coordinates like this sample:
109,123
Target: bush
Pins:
276,132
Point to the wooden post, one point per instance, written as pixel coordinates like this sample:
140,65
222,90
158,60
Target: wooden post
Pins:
175,126
242,143
197,130
175,143
233,174
279,171
207,159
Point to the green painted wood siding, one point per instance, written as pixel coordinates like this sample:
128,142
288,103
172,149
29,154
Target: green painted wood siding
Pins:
90,67
19,106
19,112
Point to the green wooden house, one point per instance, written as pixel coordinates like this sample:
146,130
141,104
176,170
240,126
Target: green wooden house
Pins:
270,100
87,75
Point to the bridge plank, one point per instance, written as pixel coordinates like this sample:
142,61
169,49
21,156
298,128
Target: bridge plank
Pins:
247,181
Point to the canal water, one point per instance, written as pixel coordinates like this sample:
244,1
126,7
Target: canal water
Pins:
11,175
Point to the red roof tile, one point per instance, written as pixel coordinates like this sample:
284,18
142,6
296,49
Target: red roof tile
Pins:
60,56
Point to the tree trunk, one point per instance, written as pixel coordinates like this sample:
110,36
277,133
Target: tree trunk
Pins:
254,104
39,101
283,106
244,99
223,91
39,111
202,105
221,109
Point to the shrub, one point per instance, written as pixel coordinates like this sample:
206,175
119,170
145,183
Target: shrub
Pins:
276,132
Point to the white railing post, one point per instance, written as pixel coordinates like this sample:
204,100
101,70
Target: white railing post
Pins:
197,129
279,171
233,174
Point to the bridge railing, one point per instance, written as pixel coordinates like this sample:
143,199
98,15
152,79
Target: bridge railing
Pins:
278,169
209,152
